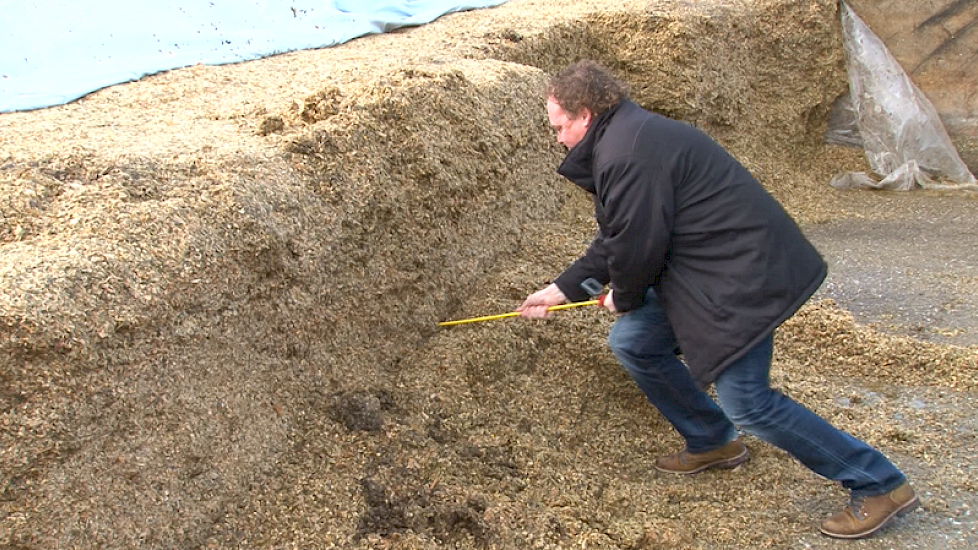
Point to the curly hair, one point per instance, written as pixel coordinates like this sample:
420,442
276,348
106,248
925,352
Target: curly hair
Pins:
586,85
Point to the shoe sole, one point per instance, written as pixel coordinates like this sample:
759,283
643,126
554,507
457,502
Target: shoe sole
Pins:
906,508
725,464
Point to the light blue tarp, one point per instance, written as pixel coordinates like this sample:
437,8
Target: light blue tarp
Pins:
53,52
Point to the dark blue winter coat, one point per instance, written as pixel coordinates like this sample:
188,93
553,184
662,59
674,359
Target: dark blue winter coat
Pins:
679,213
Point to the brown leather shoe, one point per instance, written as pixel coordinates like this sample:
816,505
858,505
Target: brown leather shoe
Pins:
867,515
731,455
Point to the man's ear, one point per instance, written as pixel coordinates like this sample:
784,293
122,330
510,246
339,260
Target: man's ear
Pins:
587,116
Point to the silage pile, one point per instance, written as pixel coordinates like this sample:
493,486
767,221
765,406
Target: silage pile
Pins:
221,288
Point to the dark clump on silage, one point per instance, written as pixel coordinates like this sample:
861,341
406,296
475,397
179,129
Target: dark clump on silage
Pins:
222,286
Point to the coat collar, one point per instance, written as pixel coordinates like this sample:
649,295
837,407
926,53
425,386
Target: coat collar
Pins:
579,163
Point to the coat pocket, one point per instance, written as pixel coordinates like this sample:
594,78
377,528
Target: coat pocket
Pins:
687,299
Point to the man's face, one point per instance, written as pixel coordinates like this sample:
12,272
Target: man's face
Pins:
570,131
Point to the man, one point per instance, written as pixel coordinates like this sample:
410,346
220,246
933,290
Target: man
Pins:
700,258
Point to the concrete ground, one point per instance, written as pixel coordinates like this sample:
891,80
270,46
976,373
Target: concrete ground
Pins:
911,270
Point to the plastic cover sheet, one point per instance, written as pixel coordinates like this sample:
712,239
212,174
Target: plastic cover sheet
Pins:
904,139
53,52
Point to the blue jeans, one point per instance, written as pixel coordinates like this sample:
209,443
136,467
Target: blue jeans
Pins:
644,343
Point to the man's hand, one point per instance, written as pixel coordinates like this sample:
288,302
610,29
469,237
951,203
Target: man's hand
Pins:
536,304
609,302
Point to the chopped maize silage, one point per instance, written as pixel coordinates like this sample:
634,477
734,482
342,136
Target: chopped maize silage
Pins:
221,286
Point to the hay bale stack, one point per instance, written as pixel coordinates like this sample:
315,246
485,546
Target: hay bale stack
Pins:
221,287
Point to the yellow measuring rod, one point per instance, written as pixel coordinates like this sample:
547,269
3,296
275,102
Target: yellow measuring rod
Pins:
516,313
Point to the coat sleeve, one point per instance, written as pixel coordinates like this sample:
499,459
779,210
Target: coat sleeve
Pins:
593,264
638,202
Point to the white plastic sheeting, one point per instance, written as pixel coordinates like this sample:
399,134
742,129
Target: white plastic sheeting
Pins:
53,52
902,134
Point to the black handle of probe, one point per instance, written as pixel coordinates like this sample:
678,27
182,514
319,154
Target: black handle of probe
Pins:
593,289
